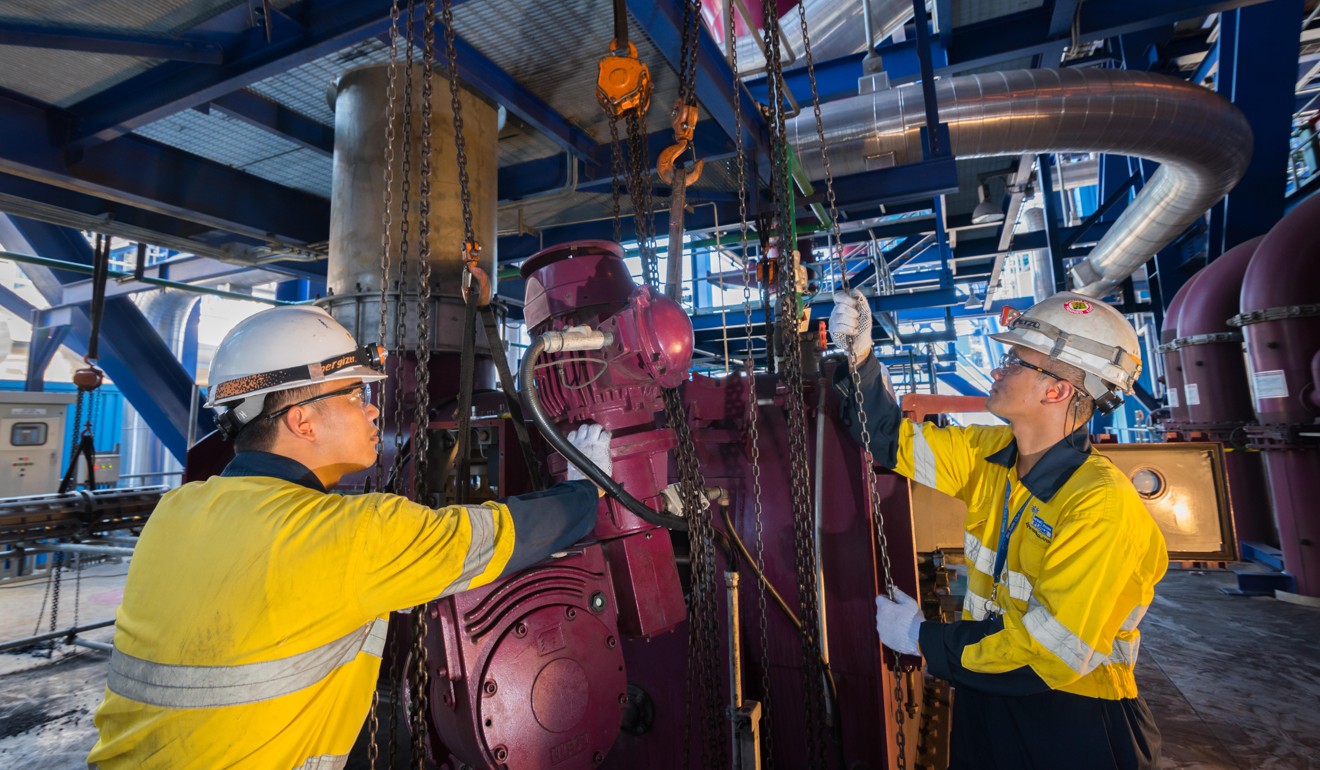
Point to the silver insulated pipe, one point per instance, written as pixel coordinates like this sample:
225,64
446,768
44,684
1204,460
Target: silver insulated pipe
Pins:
1201,141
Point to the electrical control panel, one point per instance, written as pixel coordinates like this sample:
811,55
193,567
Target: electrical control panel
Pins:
32,442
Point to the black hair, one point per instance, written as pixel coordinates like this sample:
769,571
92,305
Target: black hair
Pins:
259,434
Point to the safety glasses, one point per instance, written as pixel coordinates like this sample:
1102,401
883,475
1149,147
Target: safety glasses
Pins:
1011,359
359,393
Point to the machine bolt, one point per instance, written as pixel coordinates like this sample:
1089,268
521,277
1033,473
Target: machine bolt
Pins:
489,687
501,754
520,630
611,642
623,699
597,602
571,613
597,758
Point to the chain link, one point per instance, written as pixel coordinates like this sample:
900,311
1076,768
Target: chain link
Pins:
753,434
858,398
387,229
703,612
788,313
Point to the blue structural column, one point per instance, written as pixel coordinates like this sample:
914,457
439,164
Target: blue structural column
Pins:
1258,50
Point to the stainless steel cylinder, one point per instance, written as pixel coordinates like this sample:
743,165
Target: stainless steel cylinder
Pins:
365,158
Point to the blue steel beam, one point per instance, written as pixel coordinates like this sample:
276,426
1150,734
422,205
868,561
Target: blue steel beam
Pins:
133,223
17,33
132,352
302,32
662,21
277,119
151,176
483,75
1006,38
1260,79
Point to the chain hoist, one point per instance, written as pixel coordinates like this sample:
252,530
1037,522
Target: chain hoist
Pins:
623,89
753,434
900,670
789,337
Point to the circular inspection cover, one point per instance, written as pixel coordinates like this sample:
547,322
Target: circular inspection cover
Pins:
564,667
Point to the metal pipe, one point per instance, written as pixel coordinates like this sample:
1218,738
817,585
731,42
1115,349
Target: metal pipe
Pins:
39,638
89,644
77,267
819,503
1202,143
735,662
100,550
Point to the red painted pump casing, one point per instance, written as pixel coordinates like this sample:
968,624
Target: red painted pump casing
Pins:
529,672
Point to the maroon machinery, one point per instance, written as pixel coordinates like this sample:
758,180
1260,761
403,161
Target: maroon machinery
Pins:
541,669
1173,373
1216,398
1280,322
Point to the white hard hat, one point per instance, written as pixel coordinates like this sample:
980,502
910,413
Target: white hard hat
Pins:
1086,333
282,348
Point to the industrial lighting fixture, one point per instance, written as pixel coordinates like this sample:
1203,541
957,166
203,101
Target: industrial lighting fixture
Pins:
986,212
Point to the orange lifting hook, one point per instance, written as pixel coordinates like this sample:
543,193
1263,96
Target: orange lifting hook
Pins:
685,125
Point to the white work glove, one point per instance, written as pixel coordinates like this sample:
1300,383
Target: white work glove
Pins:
899,622
593,441
850,324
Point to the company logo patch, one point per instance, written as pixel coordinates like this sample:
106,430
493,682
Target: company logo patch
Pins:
1078,306
1039,526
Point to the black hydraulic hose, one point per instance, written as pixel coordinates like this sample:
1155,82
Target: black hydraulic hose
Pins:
531,400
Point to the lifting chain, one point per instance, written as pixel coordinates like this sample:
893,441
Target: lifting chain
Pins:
703,611
419,674
901,672
788,314
386,234
753,437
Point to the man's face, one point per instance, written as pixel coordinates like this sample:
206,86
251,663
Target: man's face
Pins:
1018,389
346,422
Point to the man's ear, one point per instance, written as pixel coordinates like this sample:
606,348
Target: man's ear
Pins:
298,421
1059,391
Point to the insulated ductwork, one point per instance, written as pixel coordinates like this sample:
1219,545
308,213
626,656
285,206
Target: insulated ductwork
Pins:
836,29
1202,143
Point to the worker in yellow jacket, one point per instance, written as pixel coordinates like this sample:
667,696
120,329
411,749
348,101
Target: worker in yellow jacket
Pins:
1062,556
256,605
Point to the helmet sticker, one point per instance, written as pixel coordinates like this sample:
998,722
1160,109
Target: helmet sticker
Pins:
1078,306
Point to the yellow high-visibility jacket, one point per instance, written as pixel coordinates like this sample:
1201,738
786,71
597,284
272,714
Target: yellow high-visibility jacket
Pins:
255,610
1080,568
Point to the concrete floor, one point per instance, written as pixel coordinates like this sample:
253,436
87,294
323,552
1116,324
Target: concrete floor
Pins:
1234,683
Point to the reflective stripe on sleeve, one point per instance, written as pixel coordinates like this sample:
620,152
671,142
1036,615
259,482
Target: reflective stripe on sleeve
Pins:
979,606
1125,652
1055,637
184,687
1019,585
923,459
480,549
978,554
325,762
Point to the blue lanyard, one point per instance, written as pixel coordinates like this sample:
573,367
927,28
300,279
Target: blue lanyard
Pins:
1006,530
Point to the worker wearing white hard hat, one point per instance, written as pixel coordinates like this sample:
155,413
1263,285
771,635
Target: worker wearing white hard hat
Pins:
1062,555
255,610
